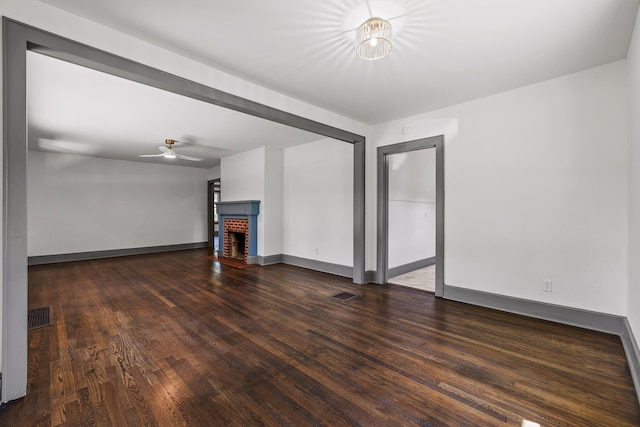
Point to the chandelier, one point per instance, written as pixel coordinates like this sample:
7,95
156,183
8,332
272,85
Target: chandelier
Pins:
373,39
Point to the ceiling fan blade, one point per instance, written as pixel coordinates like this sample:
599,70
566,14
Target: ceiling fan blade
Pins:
199,146
193,159
150,155
164,149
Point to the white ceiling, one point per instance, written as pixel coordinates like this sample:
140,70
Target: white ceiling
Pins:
445,52
76,110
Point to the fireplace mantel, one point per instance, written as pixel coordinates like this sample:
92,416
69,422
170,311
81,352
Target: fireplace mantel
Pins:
243,209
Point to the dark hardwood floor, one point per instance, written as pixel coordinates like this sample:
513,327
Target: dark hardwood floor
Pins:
175,339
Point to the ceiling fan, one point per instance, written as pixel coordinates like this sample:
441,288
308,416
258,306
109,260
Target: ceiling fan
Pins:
169,153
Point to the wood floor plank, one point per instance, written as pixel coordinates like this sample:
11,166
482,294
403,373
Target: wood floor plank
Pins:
179,340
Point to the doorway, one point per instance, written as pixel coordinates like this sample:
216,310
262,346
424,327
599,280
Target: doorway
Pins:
213,225
412,219
411,211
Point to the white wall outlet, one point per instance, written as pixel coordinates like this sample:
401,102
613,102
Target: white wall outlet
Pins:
547,285
317,251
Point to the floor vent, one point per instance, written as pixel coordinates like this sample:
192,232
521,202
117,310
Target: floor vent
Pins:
344,296
39,317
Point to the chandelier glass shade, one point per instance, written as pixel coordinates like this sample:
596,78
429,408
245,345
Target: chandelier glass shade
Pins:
373,39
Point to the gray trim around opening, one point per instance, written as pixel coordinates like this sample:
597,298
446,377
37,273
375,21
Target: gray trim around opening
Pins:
412,266
382,267
14,227
113,253
211,186
17,39
359,159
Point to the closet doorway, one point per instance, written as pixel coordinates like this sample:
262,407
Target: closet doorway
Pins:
411,214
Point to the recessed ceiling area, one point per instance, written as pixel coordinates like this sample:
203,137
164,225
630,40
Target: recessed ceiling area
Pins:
444,51
77,110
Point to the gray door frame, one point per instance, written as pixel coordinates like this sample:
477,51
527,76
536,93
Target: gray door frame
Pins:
17,39
437,142
211,184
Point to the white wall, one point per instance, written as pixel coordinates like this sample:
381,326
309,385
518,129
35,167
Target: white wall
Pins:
213,173
306,198
412,195
536,187
82,204
412,176
412,232
273,199
633,296
242,178
318,201
257,175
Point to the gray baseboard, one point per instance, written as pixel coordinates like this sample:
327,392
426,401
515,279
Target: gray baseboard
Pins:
602,322
609,323
633,354
83,256
253,259
270,259
412,266
311,264
370,276
325,267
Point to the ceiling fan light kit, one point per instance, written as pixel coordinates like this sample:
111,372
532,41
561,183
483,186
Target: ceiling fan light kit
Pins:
169,153
373,39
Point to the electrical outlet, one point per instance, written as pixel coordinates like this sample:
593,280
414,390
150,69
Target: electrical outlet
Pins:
317,251
547,285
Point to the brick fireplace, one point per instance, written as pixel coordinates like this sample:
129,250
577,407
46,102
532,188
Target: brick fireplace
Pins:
239,229
236,244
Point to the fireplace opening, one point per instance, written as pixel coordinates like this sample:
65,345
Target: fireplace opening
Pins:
237,244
